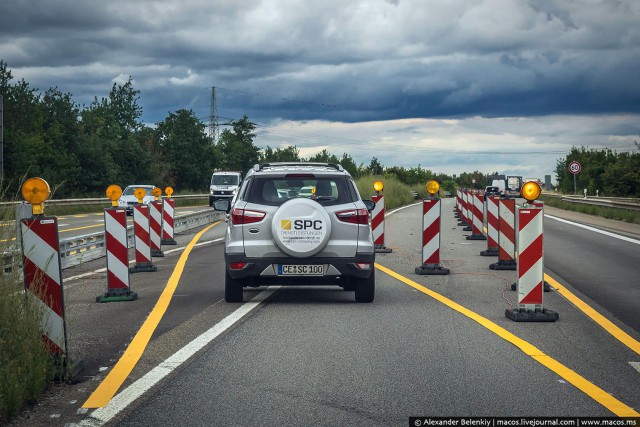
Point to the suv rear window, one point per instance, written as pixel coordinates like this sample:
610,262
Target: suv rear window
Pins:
277,190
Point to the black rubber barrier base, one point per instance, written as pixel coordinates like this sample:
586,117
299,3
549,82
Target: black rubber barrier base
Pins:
521,315
66,369
116,295
432,270
156,253
476,237
468,228
504,265
383,250
490,252
545,285
462,224
143,267
168,242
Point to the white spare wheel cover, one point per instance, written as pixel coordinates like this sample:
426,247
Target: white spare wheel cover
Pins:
301,227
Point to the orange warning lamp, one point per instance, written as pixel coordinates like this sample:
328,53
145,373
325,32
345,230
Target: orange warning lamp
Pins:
531,191
432,187
168,191
113,193
157,192
378,186
35,191
140,193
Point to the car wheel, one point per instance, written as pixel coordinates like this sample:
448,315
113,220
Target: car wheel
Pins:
365,288
232,289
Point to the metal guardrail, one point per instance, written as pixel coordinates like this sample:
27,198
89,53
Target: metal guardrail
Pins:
99,201
613,202
88,247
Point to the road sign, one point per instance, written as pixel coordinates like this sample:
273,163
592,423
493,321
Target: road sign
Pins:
574,167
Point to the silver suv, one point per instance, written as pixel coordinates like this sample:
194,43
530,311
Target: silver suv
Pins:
298,224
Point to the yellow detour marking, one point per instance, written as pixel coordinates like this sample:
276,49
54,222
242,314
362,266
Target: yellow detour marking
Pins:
590,389
606,324
110,385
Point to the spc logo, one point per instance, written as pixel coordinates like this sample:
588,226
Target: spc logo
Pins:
285,224
302,224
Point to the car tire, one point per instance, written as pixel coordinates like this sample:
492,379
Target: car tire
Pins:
232,289
365,289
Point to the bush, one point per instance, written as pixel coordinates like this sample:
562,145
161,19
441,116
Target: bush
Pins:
26,365
395,193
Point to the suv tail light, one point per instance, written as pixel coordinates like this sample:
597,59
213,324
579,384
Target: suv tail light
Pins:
354,216
245,216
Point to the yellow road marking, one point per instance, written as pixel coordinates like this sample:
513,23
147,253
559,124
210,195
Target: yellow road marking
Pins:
606,324
112,382
587,387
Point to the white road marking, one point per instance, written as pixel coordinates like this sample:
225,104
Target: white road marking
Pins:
586,227
399,209
127,396
636,365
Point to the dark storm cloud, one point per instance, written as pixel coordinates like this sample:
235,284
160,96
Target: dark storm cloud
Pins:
336,60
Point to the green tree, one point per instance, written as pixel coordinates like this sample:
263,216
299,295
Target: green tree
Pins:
286,154
186,149
236,149
324,157
375,167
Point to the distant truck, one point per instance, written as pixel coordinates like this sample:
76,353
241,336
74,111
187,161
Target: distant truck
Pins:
224,185
514,184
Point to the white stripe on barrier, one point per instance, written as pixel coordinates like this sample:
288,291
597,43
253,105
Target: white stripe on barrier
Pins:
51,324
41,254
116,267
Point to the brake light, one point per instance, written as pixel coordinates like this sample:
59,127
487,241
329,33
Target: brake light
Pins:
237,265
245,216
354,216
299,175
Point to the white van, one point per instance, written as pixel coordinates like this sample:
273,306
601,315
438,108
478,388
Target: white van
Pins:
224,185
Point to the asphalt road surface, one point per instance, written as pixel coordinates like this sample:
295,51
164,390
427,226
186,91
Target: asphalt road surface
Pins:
311,356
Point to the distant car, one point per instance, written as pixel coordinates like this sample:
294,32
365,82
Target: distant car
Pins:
491,191
128,200
306,192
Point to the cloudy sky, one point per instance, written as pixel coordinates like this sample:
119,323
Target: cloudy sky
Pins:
450,85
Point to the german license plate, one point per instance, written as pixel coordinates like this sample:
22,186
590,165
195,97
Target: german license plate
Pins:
300,270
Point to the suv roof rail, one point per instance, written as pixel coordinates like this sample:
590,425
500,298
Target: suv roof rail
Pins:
336,166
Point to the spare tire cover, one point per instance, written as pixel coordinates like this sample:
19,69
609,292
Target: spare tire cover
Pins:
301,227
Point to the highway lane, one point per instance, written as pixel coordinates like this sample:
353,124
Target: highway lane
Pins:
602,267
315,357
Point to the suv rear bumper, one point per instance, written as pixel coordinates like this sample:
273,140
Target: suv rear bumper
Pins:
255,266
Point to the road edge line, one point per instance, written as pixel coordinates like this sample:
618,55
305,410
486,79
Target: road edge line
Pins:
578,381
605,323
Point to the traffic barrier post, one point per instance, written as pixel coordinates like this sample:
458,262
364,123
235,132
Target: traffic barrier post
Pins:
492,214
377,224
155,228
118,280
506,235
431,219
168,213
530,283
142,240
476,225
467,212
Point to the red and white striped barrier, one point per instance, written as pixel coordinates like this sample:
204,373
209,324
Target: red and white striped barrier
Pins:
506,235
492,226
168,221
43,277
431,213
476,200
530,284
466,212
377,225
142,240
118,283
155,228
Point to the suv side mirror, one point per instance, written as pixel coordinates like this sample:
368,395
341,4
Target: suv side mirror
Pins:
370,204
222,205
